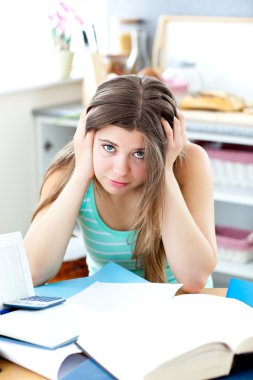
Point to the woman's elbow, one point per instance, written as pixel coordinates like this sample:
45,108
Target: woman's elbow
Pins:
197,281
38,280
40,277
194,285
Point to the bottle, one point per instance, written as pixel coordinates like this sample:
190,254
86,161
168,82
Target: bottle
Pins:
132,37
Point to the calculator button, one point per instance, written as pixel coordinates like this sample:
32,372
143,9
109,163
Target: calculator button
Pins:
40,298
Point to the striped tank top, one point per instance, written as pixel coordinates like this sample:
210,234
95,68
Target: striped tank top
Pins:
104,244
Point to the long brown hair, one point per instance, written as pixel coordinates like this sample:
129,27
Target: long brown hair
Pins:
135,103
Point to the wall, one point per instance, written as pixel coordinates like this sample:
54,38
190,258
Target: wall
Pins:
151,10
17,135
18,187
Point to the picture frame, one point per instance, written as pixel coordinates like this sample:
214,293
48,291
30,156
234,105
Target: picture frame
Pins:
221,47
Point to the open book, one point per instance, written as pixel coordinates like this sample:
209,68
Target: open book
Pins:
189,338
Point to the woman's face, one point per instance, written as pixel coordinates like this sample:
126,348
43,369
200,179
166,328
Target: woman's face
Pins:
119,159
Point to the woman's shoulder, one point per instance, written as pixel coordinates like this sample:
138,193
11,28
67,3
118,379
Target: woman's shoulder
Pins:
194,151
194,162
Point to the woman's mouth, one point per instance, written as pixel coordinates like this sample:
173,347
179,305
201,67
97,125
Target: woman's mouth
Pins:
118,183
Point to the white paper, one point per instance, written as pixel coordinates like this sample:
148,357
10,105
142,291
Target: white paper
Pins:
50,327
106,297
60,324
15,276
43,361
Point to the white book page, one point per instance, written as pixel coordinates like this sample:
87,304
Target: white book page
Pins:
43,361
162,332
106,297
15,276
50,327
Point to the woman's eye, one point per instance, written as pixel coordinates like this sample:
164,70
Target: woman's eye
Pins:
108,148
139,154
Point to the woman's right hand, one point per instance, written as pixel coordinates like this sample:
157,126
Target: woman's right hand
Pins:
83,147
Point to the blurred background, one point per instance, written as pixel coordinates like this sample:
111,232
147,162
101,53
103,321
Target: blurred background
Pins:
55,53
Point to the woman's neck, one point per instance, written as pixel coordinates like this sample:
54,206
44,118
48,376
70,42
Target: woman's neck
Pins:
119,212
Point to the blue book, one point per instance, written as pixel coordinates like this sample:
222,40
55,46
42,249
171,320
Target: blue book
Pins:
241,290
242,368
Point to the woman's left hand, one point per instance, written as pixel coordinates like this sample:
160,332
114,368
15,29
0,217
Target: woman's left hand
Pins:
176,139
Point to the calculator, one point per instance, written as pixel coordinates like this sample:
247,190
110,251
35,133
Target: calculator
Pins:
35,302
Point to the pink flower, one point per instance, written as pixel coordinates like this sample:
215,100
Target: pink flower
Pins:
63,18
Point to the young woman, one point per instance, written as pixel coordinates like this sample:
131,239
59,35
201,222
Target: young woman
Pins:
140,191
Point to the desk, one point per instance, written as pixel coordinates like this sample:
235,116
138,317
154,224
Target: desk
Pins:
13,371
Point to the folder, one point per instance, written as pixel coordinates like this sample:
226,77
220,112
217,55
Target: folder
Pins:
111,272
88,370
241,290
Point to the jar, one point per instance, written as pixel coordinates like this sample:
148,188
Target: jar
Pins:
186,72
132,41
115,63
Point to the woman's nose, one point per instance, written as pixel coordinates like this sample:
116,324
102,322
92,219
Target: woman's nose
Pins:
121,165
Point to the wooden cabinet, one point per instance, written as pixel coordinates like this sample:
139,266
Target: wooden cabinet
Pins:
72,269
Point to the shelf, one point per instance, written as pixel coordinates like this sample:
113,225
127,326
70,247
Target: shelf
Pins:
230,194
225,127
229,268
68,111
231,139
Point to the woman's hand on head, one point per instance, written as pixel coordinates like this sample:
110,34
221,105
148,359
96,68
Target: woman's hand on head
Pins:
176,139
83,146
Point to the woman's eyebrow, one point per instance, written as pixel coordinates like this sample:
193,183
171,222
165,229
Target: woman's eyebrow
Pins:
105,141
108,142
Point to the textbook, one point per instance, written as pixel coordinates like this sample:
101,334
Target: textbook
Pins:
192,337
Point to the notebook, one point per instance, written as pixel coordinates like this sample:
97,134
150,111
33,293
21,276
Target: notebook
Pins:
15,276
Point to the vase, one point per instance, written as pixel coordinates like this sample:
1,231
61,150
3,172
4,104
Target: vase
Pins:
64,59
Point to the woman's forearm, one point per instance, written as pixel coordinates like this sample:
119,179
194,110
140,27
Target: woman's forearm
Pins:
190,254
47,238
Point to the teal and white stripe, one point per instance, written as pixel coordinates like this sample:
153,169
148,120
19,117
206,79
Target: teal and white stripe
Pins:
104,244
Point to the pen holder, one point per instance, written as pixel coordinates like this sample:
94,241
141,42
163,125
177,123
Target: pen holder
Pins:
95,74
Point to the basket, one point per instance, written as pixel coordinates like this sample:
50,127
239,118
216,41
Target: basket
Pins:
234,244
232,167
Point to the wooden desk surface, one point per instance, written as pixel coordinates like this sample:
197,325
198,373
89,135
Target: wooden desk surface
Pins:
213,291
10,370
